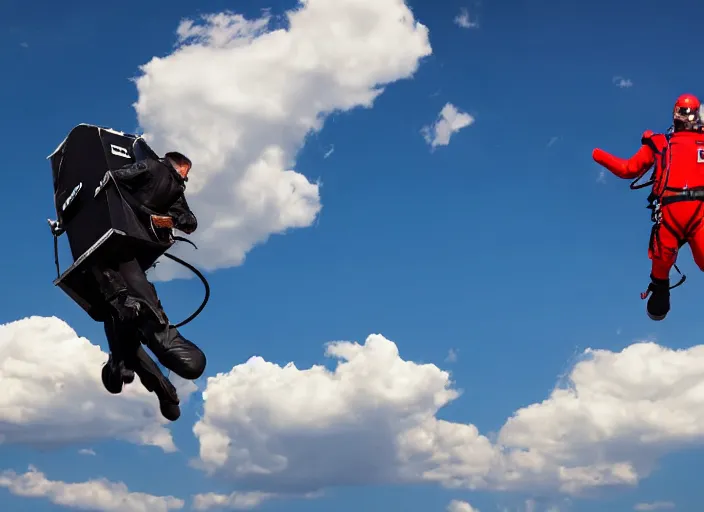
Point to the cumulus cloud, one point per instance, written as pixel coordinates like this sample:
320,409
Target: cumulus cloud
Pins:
623,83
658,505
373,419
52,392
262,422
100,494
619,414
240,98
449,121
464,21
460,506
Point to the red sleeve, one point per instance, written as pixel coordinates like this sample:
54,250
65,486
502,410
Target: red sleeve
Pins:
627,169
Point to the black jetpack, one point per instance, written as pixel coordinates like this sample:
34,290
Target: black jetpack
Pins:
99,217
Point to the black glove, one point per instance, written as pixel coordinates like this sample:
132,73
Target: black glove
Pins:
186,222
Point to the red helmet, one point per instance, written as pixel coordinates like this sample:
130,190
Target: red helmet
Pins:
686,114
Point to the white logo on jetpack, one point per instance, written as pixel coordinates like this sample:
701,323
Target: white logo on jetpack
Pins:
119,151
700,156
71,197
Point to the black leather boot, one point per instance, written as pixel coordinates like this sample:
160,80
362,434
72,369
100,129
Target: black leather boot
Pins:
175,352
156,382
115,375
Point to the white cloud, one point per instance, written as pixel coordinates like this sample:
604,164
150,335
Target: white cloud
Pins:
262,422
451,356
552,141
464,21
449,121
621,412
100,495
52,392
234,501
623,83
372,419
658,505
242,500
86,451
240,99
460,506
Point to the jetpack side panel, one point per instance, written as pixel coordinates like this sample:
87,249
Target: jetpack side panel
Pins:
80,139
100,228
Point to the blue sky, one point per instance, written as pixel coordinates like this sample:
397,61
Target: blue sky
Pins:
503,246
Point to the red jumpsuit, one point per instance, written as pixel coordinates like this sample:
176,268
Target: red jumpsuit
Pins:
679,169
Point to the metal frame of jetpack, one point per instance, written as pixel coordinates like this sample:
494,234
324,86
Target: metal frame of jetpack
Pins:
94,213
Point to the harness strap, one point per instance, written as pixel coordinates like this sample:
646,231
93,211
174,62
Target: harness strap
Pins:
681,233
680,194
657,201
56,256
647,140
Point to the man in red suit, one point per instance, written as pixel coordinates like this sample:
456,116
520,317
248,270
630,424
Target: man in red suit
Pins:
677,195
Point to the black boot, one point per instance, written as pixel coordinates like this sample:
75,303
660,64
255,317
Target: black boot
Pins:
175,352
659,302
115,375
154,381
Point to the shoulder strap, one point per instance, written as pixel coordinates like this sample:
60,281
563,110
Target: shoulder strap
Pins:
655,141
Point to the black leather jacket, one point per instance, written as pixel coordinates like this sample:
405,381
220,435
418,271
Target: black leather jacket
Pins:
160,188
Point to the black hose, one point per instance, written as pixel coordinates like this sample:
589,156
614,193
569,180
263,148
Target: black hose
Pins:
202,279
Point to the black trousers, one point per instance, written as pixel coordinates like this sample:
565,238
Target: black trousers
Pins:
125,346
137,317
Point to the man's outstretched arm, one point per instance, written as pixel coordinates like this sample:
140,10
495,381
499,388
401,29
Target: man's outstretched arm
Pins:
626,168
184,218
632,167
130,172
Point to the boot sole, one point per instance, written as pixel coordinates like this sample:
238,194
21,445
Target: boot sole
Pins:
109,382
170,411
657,318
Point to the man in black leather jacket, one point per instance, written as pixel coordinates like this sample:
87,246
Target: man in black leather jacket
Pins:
135,312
